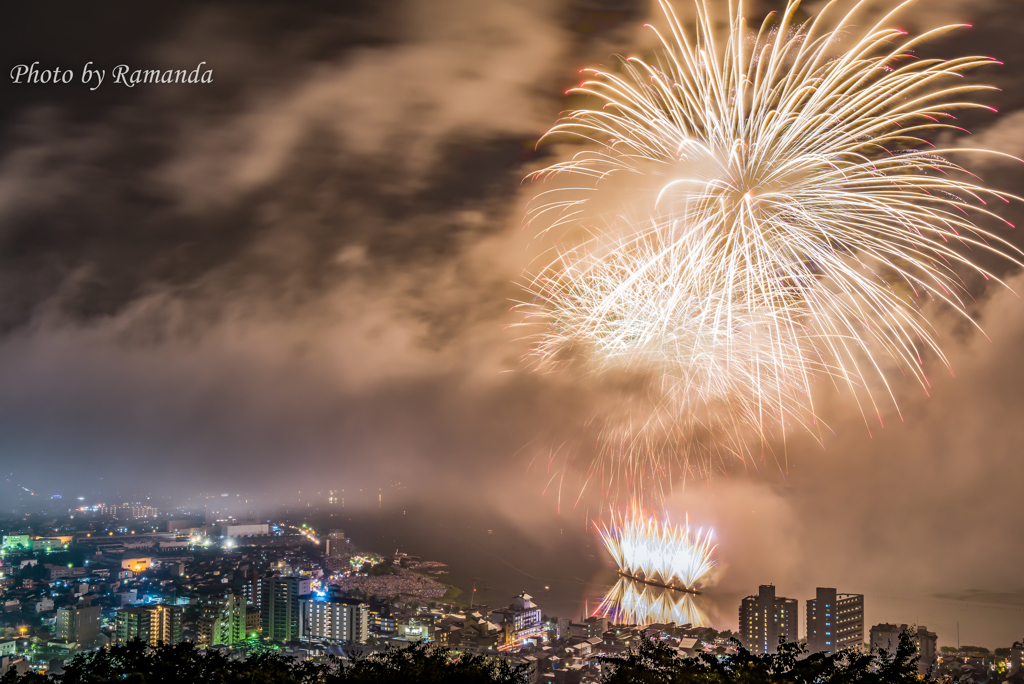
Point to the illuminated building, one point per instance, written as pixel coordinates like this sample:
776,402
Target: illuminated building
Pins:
223,621
562,631
886,637
136,564
342,620
448,633
834,621
336,543
252,620
128,512
154,624
17,541
481,634
594,626
280,607
252,589
521,620
50,543
382,619
1017,657
414,631
253,529
78,623
183,527
765,618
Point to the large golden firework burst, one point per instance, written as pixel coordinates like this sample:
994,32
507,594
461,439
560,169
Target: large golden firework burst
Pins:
788,220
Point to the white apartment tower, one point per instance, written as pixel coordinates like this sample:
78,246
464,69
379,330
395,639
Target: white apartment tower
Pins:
342,620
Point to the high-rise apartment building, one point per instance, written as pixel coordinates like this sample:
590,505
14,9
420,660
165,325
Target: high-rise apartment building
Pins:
834,621
279,606
766,618
336,543
887,637
223,621
563,629
342,620
78,623
252,620
252,589
1017,657
154,624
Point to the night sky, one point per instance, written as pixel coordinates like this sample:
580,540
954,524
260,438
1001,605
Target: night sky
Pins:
301,274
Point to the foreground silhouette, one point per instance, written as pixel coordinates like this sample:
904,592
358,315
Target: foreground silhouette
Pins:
138,663
654,662
657,663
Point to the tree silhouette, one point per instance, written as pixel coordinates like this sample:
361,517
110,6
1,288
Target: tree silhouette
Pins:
654,662
139,663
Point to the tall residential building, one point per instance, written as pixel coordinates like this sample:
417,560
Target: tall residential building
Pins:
337,543
834,621
279,606
78,623
521,620
563,630
252,620
252,589
765,618
223,621
343,620
154,624
887,637
1017,657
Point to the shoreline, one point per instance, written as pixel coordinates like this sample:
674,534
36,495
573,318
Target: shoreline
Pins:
654,583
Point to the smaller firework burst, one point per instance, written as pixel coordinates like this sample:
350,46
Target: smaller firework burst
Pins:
660,553
630,602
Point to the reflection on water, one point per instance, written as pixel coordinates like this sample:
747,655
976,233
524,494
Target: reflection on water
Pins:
634,603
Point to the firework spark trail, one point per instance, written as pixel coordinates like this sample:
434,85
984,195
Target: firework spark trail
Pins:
648,307
791,190
659,551
634,603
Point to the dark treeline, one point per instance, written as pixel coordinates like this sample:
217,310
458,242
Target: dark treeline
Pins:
652,663
656,663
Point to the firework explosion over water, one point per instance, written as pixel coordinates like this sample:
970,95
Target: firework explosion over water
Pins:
659,552
630,602
763,214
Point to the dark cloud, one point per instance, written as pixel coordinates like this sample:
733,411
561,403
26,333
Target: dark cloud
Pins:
336,217
376,126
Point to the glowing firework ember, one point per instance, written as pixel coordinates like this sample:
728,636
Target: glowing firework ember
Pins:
661,553
787,219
